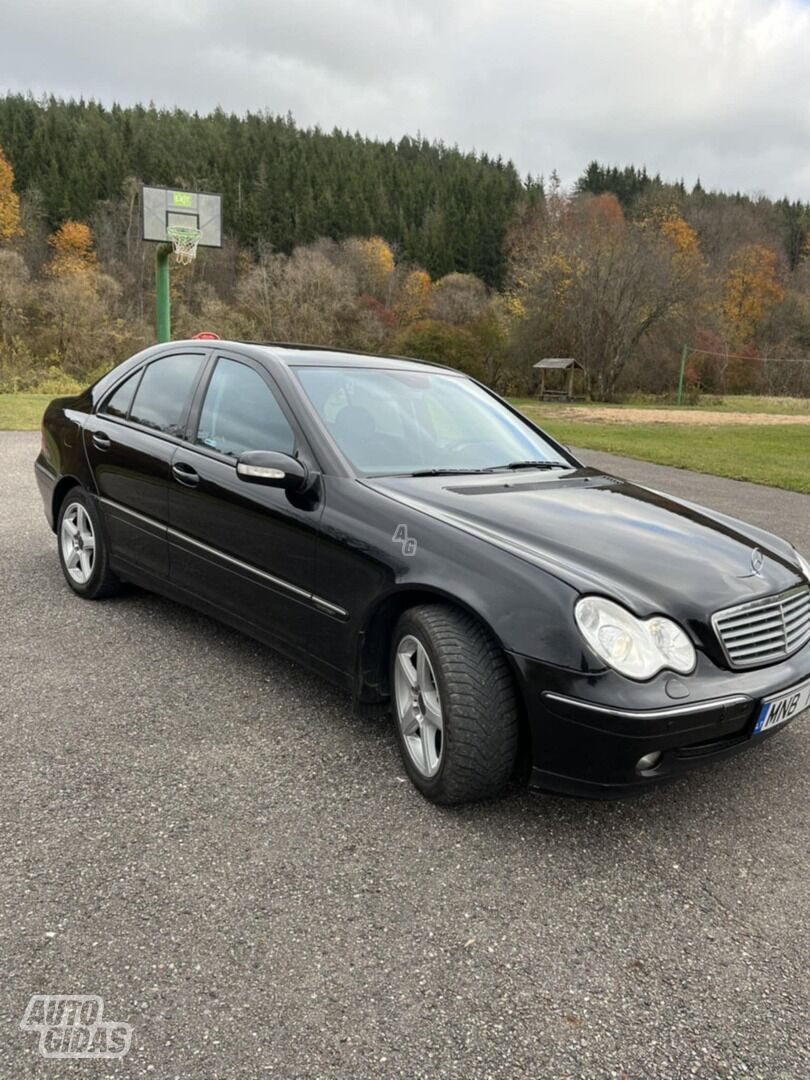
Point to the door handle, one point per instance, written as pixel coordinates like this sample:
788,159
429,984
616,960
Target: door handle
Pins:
184,474
101,441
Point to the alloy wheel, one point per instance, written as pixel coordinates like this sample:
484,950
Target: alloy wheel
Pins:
78,540
419,709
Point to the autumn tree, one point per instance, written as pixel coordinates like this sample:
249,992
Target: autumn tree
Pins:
459,298
601,210
371,260
751,292
14,292
413,297
681,235
302,297
201,307
9,202
79,326
368,325
595,285
72,246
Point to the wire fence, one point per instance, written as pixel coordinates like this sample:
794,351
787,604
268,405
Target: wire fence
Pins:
715,372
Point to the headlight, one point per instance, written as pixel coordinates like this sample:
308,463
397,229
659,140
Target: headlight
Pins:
804,565
635,647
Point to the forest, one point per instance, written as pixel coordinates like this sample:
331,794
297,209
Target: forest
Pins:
408,247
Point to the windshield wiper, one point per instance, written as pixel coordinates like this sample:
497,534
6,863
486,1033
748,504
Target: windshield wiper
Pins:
532,465
489,469
443,472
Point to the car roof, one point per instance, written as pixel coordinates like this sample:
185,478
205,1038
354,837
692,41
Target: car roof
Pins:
322,356
273,353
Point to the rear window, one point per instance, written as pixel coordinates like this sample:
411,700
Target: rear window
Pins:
165,392
118,403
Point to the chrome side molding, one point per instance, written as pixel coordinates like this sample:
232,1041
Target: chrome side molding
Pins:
650,714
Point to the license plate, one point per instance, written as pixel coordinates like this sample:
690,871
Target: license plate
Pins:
780,709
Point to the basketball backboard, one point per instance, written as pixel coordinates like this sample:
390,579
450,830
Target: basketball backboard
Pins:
162,208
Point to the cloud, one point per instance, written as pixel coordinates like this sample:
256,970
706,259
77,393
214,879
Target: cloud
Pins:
708,88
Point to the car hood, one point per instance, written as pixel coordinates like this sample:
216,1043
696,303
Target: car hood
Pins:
603,534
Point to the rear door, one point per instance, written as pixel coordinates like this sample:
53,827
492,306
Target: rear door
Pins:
246,548
129,443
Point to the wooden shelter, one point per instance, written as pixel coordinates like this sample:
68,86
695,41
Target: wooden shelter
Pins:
565,386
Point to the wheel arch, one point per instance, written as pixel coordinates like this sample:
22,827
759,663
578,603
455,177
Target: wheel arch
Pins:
66,484
374,639
371,682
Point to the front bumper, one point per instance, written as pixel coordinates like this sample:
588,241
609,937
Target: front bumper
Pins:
590,731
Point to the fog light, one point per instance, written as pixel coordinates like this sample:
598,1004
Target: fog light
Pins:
649,761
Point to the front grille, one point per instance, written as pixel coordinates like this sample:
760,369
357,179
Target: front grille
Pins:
763,631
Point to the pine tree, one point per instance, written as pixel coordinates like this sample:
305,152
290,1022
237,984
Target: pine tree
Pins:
282,185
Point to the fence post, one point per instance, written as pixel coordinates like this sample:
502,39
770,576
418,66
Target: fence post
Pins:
684,354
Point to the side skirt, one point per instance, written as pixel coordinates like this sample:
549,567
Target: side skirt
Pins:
127,572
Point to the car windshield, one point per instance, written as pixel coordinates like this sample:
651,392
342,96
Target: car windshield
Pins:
389,422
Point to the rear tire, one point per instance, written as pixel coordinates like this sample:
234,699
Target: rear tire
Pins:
83,551
454,705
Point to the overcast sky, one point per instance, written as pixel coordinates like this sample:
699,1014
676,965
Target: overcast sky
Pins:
718,89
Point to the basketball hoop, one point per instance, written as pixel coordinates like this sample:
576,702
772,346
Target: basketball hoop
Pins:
184,241
186,220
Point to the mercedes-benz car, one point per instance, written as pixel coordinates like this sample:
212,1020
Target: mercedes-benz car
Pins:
406,533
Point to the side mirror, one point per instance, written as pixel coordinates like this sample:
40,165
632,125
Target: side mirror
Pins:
273,469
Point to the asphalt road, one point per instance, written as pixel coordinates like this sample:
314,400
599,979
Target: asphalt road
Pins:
203,834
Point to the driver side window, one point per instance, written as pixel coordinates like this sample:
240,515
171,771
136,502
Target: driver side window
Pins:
240,412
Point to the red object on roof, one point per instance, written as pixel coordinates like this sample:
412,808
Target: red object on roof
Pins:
206,335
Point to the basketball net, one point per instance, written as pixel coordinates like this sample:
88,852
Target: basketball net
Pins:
184,242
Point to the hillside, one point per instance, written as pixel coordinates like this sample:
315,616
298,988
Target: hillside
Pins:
407,247
282,184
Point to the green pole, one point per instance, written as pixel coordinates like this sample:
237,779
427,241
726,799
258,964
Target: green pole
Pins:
163,310
684,354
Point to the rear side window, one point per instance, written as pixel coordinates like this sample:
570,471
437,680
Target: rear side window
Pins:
118,403
241,413
165,391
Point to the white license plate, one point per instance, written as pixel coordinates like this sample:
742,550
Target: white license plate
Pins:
780,709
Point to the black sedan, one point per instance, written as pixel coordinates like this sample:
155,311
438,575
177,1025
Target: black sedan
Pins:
406,533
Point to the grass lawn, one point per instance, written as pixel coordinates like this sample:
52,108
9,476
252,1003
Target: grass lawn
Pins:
737,403
776,455
22,412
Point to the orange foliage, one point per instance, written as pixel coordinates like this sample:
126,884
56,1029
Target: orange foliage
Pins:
682,236
751,291
602,210
9,202
413,301
73,253
378,309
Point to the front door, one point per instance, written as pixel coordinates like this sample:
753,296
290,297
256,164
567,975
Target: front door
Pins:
246,548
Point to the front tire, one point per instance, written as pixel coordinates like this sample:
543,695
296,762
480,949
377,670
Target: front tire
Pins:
83,552
454,705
